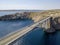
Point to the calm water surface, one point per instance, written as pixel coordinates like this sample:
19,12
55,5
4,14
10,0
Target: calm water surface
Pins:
2,13
38,37
34,37
7,27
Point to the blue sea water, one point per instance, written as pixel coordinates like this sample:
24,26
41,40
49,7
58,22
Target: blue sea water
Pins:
2,13
38,37
35,37
7,27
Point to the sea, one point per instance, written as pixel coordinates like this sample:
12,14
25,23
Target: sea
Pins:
35,37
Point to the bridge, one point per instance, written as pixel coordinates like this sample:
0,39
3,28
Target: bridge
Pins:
8,39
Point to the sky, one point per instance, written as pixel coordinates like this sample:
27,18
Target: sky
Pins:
29,4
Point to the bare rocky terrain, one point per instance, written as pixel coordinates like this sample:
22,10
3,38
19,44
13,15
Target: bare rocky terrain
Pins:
40,15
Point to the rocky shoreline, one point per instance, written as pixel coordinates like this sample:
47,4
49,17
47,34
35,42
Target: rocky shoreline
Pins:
16,16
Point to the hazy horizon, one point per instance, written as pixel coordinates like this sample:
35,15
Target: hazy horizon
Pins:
29,4
27,9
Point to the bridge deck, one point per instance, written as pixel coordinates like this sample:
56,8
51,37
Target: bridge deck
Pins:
12,37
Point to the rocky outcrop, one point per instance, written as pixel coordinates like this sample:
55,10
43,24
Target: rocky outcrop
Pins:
15,16
56,23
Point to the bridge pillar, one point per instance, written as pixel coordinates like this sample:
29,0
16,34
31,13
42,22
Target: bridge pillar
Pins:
47,24
40,25
43,24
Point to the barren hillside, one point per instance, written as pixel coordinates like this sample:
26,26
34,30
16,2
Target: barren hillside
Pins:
36,16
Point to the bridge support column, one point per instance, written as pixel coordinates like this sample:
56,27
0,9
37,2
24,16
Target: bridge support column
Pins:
44,24
49,28
40,25
47,24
